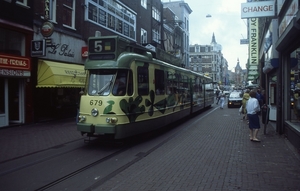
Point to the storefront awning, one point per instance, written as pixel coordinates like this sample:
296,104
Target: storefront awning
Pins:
270,64
60,75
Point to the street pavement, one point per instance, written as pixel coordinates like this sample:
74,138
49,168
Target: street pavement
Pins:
213,152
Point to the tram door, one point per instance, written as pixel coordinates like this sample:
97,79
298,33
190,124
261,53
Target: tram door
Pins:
15,100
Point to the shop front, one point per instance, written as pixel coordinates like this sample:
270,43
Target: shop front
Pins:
58,89
15,66
288,46
59,76
12,91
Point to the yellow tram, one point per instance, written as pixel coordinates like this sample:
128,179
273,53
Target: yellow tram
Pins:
129,92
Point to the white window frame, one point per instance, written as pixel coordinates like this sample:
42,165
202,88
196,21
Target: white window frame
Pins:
144,3
119,11
73,15
52,12
156,36
24,3
156,13
143,36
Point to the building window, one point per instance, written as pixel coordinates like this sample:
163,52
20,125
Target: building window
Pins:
156,35
144,3
22,2
48,10
143,36
12,42
112,15
156,13
69,13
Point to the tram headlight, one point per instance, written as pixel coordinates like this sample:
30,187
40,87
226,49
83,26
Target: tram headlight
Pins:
81,118
94,112
111,120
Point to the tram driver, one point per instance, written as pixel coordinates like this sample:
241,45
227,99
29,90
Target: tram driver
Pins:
119,88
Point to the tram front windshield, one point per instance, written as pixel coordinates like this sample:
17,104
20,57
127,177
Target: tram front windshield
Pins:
104,82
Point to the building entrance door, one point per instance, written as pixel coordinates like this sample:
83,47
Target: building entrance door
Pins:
16,100
3,103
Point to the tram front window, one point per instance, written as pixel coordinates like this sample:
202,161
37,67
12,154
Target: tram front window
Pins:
104,82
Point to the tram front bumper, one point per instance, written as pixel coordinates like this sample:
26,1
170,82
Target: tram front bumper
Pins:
97,129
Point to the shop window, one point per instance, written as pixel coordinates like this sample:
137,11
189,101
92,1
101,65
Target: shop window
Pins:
295,86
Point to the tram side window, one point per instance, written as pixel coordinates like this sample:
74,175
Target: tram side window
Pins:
159,82
143,80
130,84
171,83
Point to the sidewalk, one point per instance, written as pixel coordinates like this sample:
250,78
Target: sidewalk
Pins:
22,140
213,152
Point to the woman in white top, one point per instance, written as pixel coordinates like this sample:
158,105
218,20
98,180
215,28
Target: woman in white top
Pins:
252,108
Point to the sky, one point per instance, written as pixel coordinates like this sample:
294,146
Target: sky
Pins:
225,22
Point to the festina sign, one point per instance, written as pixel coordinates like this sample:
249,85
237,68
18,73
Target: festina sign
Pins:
258,9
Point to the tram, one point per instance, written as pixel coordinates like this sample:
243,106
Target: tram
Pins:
129,91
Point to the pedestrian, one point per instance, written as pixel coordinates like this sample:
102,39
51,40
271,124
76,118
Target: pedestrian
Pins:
217,96
259,97
253,108
222,99
246,97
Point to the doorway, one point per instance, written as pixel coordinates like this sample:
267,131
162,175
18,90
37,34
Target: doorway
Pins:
15,100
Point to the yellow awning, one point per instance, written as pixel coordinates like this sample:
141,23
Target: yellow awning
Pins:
59,75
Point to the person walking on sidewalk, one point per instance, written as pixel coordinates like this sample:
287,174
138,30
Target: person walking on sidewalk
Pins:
253,108
222,99
246,97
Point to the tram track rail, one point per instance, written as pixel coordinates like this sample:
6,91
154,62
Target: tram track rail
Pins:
87,165
139,156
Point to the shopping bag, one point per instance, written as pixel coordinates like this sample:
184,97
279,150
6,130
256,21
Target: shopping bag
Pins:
241,110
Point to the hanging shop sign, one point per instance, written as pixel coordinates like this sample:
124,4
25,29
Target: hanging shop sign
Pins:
38,48
84,52
258,9
14,73
47,29
14,62
253,49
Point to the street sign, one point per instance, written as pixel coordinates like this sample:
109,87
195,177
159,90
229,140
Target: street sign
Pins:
244,41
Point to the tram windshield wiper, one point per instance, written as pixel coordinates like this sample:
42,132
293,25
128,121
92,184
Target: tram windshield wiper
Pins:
105,89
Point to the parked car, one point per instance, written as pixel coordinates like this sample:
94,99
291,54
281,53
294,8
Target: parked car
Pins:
234,100
226,92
